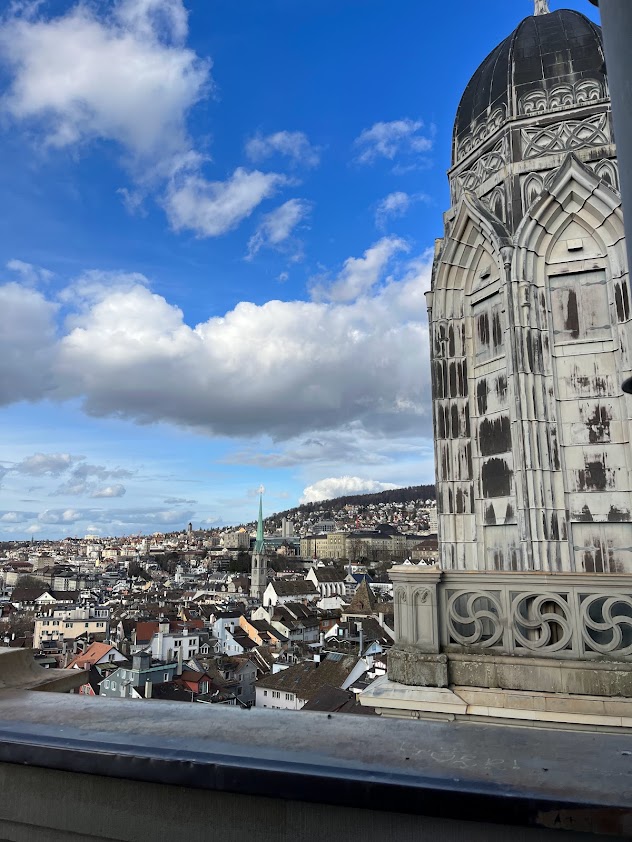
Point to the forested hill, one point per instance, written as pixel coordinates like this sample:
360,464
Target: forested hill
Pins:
395,495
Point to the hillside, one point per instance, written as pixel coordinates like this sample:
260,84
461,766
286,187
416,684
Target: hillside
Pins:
330,507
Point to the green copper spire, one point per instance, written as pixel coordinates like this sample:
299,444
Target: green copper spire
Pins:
259,543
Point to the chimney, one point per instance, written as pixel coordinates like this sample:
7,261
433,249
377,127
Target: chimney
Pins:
361,633
148,688
322,640
180,661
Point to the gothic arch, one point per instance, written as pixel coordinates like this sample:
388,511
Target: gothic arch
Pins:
472,213
468,308
570,271
574,190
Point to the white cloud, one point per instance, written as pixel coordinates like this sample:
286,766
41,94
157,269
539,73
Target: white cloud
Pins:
359,358
124,76
27,340
328,489
45,464
120,72
395,205
28,273
94,285
14,517
277,226
293,145
110,491
359,274
56,521
389,140
60,516
211,208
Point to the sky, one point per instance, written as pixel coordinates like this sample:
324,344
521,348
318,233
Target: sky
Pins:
218,227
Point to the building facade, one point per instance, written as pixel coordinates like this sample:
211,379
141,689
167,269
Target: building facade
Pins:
530,315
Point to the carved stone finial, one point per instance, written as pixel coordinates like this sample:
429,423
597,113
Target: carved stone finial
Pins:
542,7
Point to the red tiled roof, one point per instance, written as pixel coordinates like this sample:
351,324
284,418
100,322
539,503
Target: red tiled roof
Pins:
93,653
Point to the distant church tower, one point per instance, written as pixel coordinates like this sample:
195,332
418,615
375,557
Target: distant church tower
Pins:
529,315
259,566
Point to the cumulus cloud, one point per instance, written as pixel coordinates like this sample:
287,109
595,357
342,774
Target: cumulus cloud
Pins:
390,140
121,72
356,356
276,227
328,489
360,274
171,501
27,341
60,516
293,145
45,464
124,76
15,517
110,491
211,208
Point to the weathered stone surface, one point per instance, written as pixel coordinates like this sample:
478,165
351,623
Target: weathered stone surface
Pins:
407,665
585,678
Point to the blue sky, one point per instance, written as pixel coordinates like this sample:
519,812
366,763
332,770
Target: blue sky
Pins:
217,231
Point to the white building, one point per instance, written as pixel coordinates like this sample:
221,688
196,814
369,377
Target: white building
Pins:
166,645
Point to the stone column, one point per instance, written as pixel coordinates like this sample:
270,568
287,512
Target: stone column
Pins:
415,659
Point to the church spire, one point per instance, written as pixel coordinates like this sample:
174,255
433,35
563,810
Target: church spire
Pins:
259,542
542,7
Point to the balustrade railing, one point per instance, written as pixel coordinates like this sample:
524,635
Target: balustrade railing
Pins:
573,616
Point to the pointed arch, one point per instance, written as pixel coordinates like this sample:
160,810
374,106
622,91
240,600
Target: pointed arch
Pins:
570,264
468,332
573,190
470,211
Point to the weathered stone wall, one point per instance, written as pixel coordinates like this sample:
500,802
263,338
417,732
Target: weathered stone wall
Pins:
530,332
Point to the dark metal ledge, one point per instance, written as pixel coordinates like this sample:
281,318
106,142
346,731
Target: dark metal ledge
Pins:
480,773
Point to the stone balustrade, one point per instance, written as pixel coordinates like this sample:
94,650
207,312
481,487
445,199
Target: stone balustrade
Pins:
579,616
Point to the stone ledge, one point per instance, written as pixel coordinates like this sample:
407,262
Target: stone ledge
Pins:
543,675
410,666
482,703
387,694
18,671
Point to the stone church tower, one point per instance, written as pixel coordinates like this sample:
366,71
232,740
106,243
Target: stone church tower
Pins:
528,616
259,564
530,315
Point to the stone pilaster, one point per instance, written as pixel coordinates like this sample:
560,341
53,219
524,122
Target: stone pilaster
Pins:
415,658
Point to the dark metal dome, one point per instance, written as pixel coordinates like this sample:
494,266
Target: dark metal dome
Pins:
540,54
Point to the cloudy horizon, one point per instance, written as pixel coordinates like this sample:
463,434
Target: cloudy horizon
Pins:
218,234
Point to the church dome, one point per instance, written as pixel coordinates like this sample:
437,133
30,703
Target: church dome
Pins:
549,61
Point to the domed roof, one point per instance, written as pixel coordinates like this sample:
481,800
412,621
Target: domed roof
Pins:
542,53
